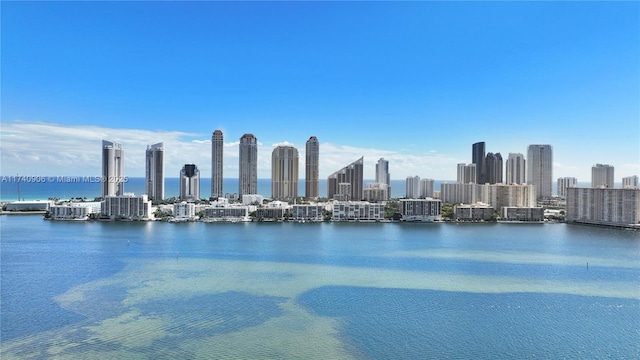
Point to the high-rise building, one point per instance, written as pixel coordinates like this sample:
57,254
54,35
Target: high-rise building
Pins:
516,169
493,168
382,175
602,176
217,148
564,183
413,187
540,169
427,188
630,182
312,166
154,172
284,173
248,177
351,175
466,173
189,183
478,158
605,206
112,169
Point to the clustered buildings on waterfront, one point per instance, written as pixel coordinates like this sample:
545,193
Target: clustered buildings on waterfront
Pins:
480,192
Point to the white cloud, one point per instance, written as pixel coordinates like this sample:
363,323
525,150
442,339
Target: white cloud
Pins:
37,148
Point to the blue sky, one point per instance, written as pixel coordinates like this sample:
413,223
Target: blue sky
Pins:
414,82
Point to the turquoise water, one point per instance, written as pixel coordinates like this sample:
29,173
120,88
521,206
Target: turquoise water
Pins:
363,291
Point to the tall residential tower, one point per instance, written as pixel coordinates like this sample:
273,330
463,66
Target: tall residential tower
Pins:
312,166
602,176
347,182
248,173
515,169
189,183
284,173
217,146
478,158
112,169
154,172
540,169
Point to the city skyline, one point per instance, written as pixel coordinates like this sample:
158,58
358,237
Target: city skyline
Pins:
413,83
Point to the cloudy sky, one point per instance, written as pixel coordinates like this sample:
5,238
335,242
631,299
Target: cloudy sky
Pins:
416,83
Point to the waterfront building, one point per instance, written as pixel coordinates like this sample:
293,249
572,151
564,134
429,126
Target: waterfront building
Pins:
125,207
307,212
540,169
473,212
270,213
184,211
493,168
603,206
466,173
74,210
223,211
154,172
357,211
420,209
284,173
413,187
351,174
630,182
217,165
189,183
478,158
376,192
564,183
112,168
602,176
35,205
426,188
312,168
516,213
382,175
515,169
460,193
252,199
248,173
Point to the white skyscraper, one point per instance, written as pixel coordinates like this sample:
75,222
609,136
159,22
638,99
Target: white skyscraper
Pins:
154,172
630,182
515,169
602,176
217,147
189,183
413,187
248,176
540,169
284,173
112,169
564,183
427,188
466,173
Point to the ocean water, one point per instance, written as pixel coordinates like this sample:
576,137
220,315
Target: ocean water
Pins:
77,290
66,190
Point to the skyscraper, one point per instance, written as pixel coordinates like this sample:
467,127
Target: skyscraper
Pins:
382,175
312,165
426,188
189,183
413,187
493,168
466,173
630,182
350,176
154,172
217,146
602,176
515,169
540,169
564,183
248,177
284,173
112,169
478,158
